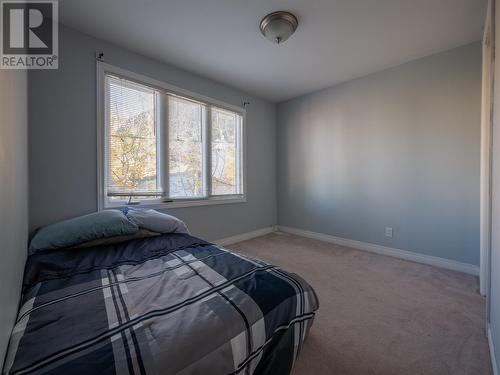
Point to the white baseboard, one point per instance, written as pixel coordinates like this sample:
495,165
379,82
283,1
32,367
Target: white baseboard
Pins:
494,363
379,249
245,236
384,250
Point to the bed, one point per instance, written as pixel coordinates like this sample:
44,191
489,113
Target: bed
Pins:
168,304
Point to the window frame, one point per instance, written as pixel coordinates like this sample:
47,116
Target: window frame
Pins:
166,89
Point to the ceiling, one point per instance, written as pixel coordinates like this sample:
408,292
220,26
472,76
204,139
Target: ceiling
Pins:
336,40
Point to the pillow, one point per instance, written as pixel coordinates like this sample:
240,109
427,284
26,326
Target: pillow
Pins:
68,233
156,221
141,233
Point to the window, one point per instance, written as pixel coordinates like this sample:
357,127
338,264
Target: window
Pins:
161,145
226,128
186,123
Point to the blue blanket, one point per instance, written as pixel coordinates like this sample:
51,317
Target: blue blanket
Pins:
172,304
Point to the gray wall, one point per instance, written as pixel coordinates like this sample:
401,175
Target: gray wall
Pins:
494,292
62,141
13,195
398,148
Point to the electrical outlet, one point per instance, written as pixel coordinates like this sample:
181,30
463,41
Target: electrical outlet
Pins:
388,232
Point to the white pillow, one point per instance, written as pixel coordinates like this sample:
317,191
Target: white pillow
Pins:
156,221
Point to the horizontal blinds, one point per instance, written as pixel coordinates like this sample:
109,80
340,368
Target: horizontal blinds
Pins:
132,144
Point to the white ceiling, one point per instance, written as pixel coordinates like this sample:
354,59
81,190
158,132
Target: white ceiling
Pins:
336,40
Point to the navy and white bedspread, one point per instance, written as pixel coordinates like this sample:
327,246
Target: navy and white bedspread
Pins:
171,304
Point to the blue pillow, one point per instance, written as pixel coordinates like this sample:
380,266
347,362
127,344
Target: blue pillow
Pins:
156,221
68,233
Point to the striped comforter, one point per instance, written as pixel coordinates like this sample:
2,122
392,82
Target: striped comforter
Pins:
172,304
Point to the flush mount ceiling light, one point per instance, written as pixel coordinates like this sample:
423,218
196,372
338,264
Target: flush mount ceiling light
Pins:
278,26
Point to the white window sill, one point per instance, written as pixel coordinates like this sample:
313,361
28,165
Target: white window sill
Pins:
179,203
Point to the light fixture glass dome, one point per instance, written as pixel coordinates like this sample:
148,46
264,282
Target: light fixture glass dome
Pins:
278,26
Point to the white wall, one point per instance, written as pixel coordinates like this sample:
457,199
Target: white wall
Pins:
495,204
13,195
398,148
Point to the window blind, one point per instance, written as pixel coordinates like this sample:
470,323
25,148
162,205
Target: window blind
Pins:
131,142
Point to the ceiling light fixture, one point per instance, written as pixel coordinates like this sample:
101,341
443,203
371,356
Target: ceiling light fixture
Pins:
278,26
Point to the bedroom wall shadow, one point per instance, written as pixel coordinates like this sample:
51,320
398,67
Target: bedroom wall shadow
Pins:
398,148
13,195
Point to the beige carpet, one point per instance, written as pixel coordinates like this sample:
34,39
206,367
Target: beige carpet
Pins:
381,315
